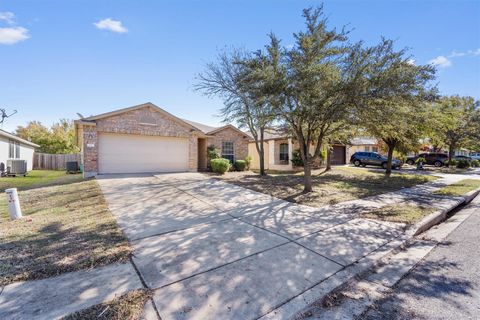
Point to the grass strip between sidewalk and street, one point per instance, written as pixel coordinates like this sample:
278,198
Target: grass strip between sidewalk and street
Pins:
403,213
459,188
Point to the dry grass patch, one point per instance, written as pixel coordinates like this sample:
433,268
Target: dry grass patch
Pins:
403,213
64,228
338,185
459,188
129,306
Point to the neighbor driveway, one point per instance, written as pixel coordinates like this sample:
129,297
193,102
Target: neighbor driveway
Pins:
212,250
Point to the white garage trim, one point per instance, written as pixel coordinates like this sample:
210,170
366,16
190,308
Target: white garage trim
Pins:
128,153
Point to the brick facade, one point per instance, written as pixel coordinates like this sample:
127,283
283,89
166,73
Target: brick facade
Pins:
149,120
142,121
240,141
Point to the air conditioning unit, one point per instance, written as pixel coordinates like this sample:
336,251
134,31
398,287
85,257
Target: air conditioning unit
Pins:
16,167
72,166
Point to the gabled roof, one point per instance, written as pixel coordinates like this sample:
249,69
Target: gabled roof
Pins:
203,127
143,105
231,127
11,136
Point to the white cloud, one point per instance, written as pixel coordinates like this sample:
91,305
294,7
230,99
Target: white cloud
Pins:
441,62
456,53
111,25
411,61
7,17
13,35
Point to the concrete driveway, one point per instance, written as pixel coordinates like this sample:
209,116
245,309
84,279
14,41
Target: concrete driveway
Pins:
212,250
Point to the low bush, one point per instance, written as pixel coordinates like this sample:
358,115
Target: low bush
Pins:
220,165
248,162
240,165
297,159
463,164
451,163
475,163
212,152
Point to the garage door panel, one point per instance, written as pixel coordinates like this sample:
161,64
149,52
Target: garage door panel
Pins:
123,153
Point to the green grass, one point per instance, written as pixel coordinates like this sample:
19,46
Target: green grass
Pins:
38,178
65,228
338,185
404,213
459,188
128,306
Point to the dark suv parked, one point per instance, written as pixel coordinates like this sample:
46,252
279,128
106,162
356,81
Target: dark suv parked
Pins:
373,159
436,159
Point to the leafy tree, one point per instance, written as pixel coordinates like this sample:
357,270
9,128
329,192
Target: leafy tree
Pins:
59,138
391,96
231,78
316,84
455,122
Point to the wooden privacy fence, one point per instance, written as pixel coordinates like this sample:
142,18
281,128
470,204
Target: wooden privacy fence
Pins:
47,161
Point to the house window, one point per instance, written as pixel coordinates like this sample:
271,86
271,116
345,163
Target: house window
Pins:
367,148
283,151
11,149
374,149
227,151
17,150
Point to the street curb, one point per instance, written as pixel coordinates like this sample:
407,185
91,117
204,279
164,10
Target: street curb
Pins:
441,215
377,284
353,272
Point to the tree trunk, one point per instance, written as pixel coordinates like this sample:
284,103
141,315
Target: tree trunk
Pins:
451,153
261,152
307,177
391,147
329,159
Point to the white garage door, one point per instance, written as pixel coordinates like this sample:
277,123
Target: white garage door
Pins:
126,153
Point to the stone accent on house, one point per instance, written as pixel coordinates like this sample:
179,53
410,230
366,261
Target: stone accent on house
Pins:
90,150
240,141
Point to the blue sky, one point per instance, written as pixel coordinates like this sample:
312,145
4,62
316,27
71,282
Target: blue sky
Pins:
60,57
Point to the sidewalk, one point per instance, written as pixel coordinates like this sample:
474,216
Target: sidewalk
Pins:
275,258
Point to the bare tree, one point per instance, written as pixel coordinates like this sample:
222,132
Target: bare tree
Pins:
231,78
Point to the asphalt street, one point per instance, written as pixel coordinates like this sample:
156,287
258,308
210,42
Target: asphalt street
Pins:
445,285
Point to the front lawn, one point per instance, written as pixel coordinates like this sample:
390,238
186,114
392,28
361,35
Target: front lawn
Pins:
65,227
404,213
338,185
38,178
459,188
128,306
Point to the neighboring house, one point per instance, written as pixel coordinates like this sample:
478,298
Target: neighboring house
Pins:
279,148
15,148
362,144
146,138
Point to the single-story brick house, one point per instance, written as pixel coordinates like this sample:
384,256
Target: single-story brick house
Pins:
146,138
279,148
16,148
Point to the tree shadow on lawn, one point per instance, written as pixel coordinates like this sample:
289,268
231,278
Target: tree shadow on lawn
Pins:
328,188
56,249
65,228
